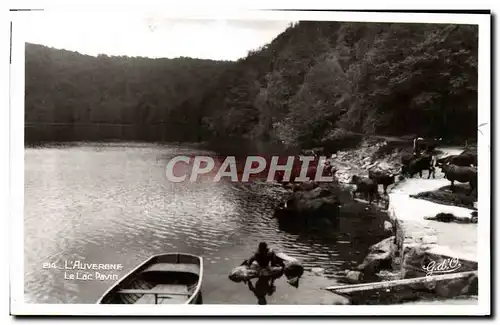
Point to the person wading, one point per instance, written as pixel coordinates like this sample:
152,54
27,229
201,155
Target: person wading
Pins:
265,259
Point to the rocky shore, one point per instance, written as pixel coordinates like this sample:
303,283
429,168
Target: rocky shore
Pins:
420,230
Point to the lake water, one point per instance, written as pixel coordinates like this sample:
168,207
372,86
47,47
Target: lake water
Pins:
111,203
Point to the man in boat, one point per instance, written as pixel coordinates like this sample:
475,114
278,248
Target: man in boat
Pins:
265,259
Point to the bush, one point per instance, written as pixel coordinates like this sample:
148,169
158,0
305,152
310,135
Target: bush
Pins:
390,147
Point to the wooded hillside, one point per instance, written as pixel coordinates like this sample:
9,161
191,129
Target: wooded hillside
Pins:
314,81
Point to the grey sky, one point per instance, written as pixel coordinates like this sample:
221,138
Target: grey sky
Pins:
210,39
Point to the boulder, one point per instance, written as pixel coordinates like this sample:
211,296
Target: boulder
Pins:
378,258
457,287
306,186
293,269
353,276
318,208
384,166
386,275
247,272
319,199
317,270
388,226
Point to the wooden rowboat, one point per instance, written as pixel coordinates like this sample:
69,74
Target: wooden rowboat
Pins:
162,279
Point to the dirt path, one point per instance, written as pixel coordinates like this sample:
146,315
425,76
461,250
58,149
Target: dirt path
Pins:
451,239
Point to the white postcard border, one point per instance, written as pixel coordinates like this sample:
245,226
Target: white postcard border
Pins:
19,307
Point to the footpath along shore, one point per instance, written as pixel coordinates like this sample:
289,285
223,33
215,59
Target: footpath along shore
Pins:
424,243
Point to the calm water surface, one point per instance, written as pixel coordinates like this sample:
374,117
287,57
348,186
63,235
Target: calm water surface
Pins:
111,203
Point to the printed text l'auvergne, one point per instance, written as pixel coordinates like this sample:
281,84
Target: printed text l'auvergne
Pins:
80,265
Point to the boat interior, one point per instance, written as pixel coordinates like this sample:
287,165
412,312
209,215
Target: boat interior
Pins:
171,279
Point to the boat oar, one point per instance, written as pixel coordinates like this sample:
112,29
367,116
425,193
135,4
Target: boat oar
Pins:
394,283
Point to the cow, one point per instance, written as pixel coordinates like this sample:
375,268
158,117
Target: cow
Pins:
366,186
469,155
425,145
407,157
471,149
463,159
420,163
461,174
383,178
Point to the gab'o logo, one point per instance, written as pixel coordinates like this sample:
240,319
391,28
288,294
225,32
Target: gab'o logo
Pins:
448,265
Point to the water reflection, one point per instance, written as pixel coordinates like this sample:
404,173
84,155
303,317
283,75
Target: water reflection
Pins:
263,287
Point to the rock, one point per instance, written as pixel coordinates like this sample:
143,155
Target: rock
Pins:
317,192
386,275
354,276
245,272
451,288
384,166
306,186
317,270
293,269
319,205
371,166
473,217
379,257
426,247
388,226
472,286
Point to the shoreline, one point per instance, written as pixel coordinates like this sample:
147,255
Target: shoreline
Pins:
418,238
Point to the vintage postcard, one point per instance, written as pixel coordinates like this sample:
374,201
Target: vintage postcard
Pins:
249,162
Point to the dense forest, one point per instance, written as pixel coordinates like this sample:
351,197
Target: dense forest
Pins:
315,81
70,96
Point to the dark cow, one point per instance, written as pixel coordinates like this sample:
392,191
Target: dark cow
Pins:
425,145
383,178
463,159
419,164
461,174
407,157
471,149
444,160
366,186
